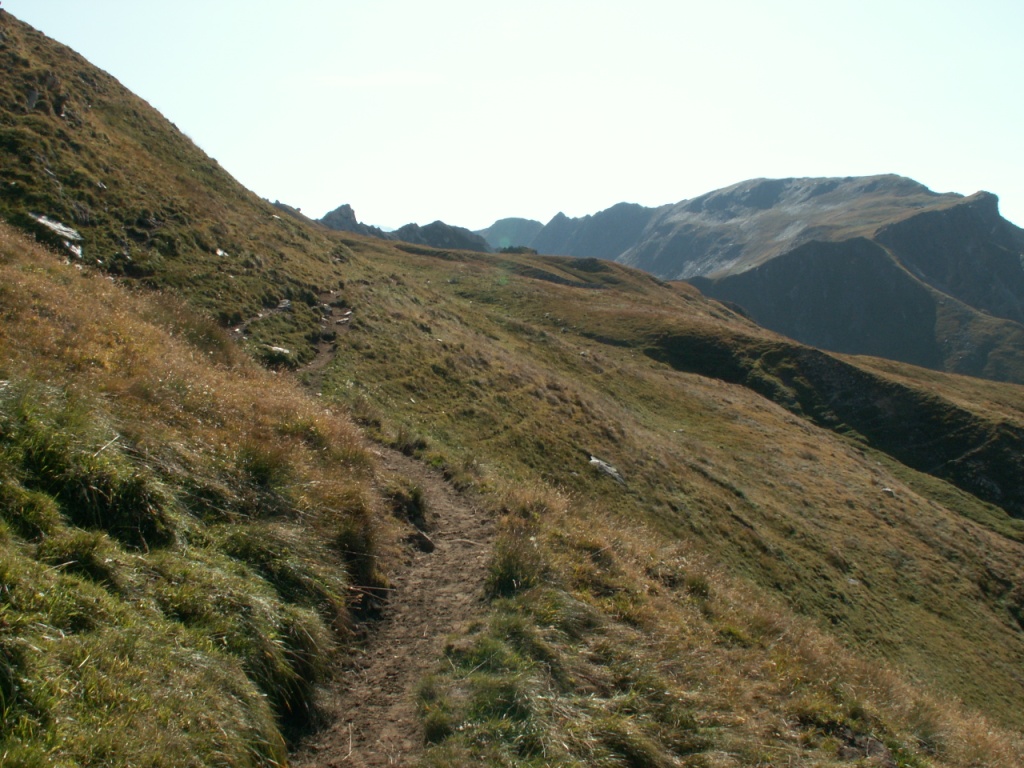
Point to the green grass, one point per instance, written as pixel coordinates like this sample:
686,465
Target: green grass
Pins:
531,377
149,205
619,655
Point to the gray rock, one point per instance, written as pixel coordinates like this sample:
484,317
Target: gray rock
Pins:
607,469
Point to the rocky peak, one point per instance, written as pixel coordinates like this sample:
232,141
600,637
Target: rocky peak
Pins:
343,219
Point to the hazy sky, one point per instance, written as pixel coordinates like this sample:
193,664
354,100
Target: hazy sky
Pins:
473,110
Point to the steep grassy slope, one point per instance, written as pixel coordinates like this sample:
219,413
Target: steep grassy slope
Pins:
527,367
773,573
184,537
79,149
529,376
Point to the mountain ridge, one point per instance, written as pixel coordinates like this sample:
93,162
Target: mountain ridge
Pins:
954,253
437,234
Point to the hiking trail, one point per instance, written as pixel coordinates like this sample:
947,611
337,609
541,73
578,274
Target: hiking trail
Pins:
371,707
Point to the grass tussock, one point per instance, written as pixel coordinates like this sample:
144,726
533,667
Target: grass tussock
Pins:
184,538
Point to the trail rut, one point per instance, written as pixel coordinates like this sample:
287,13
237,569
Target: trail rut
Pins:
372,707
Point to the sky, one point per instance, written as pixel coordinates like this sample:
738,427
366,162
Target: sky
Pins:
470,111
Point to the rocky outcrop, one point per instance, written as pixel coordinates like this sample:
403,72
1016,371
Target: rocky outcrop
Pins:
605,235
343,219
441,235
435,235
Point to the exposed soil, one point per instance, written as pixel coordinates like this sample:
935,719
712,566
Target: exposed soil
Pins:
372,709
335,320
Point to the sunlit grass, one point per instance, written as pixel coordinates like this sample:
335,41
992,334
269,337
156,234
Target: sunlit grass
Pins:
185,537
186,540
529,379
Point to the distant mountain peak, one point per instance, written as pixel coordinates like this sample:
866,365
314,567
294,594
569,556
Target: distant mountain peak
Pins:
437,234
795,236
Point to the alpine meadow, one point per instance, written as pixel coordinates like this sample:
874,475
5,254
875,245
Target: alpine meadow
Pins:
274,494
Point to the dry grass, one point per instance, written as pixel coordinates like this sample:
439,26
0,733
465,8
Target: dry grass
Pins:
625,647
519,377
185,536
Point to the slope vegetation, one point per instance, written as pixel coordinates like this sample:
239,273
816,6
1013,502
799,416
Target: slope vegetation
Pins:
185,538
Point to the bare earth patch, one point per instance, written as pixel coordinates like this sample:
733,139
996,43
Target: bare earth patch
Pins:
372,707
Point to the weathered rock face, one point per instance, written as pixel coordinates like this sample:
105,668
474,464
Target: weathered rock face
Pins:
435,235
605,235
942,287
736,228
967,251
850,296
343,219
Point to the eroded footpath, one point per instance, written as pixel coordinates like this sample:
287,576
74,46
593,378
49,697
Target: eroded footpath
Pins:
372,707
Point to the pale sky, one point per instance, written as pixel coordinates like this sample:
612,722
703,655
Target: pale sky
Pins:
474,110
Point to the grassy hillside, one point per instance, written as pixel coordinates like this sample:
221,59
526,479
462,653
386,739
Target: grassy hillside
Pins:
475,365
148,205
183,535
777,571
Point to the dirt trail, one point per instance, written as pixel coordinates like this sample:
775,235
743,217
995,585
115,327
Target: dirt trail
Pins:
372,708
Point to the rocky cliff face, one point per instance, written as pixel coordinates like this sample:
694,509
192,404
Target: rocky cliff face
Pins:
435,235
343,219
850,296
605,235
967,251
941,287
510,233
736,228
